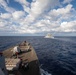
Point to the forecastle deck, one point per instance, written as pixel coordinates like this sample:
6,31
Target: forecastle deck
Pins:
26,56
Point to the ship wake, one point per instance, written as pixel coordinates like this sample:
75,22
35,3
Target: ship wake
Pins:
43,72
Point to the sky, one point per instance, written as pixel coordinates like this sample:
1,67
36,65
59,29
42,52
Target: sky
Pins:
37,17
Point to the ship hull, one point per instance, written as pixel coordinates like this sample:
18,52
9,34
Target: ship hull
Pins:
49,37
27,56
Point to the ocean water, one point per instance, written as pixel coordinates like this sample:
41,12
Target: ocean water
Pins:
56,56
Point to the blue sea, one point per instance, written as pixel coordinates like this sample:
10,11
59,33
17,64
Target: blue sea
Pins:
56,56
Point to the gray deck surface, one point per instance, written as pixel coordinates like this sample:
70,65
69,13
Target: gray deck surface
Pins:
27,56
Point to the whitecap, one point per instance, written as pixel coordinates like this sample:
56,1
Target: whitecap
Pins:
43,72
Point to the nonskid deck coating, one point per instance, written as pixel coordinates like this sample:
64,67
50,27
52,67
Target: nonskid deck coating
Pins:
29,56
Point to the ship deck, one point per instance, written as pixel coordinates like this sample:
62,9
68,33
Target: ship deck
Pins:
27,56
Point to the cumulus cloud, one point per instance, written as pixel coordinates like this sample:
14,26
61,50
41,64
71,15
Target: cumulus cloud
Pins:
4,5
2,24
38,8
5,15
18,14
41,16
67,1
61,11
53,20
25,5
67,27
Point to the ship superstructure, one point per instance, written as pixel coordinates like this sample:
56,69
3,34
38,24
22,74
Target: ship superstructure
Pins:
49,36
23,62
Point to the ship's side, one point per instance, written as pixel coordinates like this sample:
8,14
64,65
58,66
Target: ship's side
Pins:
3,70
27,56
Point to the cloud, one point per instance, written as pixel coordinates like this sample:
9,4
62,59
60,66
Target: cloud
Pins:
41,17
67,1
18,14
61,14
4,5
38,8
25,5
50,23
61,11
2,24
67,27
5,15
8,27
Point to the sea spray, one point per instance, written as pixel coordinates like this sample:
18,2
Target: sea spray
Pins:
43,72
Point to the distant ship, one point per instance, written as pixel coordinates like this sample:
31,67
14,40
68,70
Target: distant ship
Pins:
49,36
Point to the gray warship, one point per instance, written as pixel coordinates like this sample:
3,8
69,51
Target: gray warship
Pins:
21,62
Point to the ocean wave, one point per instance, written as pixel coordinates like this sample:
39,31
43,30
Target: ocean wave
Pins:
59,53
43,72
